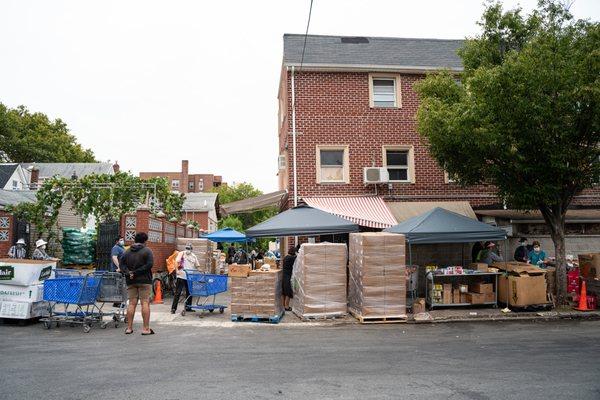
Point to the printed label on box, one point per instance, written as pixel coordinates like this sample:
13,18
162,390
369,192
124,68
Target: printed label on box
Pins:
12,309
7,272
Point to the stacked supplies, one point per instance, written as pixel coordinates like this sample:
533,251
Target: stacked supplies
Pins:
377,282
258,294
319,281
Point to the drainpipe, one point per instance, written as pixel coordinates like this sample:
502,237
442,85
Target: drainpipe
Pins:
294,139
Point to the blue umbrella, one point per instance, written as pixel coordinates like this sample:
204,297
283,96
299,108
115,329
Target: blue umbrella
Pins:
227,235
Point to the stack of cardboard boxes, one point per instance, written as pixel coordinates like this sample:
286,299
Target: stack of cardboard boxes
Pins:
521,284
258,294
203,250
480,293
319,281
377,281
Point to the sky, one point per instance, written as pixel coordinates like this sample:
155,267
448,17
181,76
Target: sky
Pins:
149,83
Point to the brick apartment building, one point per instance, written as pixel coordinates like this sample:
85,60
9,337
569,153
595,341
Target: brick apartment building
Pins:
184,182
352,104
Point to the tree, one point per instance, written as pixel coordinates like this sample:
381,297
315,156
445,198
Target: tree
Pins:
33,137
525,115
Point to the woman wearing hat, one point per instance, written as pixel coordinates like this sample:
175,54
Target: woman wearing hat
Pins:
487,255
40,250
18,250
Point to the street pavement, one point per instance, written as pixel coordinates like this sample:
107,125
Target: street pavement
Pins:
500,360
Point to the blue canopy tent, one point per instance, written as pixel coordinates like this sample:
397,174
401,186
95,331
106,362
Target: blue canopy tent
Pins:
228,235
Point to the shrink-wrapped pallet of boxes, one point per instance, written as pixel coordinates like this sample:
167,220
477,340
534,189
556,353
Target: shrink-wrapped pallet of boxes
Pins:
257,297
377,280
202,248
319,281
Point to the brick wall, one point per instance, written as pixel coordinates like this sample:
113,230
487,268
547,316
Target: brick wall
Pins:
6,233
332,108
201,217
162,234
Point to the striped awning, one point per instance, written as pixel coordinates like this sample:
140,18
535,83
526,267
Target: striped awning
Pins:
369,211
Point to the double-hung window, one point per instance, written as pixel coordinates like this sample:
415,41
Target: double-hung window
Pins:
175,184
384,91
399,163
332,164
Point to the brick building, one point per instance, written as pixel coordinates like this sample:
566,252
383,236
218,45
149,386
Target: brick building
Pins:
184,182
352,105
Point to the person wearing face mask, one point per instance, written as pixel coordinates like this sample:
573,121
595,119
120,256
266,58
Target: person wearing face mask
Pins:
185,260
116,253
40,250
537,257
522,253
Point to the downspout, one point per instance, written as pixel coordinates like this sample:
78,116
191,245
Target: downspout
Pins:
294,139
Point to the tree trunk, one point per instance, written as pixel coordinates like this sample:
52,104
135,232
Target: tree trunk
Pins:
555,218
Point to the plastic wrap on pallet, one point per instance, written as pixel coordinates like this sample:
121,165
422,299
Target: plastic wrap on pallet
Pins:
258,295
202,248
319,281
79,247
377,275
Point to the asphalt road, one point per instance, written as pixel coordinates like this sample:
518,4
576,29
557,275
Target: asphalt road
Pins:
515,360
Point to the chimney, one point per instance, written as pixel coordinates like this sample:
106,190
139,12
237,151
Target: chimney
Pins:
35,177
116,167
183,188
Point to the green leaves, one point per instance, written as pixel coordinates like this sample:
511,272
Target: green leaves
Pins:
26,137
526,115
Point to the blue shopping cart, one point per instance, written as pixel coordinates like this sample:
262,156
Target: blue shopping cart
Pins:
79,291
66,273
203,287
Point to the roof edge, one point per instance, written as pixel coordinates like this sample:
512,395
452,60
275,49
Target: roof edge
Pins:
368,68
373,37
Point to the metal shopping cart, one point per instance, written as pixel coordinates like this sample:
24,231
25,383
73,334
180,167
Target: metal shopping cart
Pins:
203,287
112,290
79,291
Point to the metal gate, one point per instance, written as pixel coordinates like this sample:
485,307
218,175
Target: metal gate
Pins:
22,231
108,232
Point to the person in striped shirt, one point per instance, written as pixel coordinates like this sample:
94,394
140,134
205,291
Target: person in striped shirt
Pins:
18,250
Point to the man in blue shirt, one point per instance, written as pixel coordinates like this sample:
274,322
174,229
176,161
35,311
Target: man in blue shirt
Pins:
116,253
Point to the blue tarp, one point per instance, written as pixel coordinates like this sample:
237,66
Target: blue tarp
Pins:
227,235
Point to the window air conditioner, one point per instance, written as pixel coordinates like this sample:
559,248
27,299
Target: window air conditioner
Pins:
376,175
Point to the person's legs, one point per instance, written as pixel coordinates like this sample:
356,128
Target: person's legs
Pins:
133,295
178,288
145,291
188,298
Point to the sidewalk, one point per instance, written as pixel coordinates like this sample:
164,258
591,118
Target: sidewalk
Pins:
161,314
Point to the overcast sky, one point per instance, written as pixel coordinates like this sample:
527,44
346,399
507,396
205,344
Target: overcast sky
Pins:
149,83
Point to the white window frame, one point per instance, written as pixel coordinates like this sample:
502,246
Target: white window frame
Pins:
200,184
173,186
15,184
397,86
191,185
447,178
411,161
345,168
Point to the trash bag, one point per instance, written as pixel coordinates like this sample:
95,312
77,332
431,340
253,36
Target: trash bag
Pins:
79,247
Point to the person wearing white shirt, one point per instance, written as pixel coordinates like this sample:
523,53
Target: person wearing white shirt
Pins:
185,260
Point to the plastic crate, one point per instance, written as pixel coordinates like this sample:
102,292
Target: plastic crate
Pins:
201,284
81,290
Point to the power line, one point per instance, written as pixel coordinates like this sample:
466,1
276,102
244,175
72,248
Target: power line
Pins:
306,33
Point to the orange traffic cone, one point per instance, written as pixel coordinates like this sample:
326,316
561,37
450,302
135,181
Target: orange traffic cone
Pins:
158,294
583,298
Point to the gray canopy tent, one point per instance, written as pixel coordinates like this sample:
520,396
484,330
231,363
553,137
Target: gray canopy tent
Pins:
302,221
443,226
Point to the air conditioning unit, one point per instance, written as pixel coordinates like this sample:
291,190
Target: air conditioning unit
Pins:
281,162
376,175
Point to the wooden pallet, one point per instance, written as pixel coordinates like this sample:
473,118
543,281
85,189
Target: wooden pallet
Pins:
271,319
320,317
388,319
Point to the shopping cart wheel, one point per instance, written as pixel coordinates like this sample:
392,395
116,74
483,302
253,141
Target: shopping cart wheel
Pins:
116,324
86,328
211,310
183,313
58,324
104,325
47,324
221,310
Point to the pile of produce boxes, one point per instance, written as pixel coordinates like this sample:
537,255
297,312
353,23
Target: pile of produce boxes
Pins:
319,281
22,288
257,295
202,248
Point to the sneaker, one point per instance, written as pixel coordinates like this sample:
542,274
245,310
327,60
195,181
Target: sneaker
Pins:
173,311
190,310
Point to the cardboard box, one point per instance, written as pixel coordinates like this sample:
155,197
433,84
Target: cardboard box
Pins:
25,272
521,285
23,310
456,295
30,294
447,296
478,267
239,270
489,297
589,265
481,287
463,298
475,298
419,306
